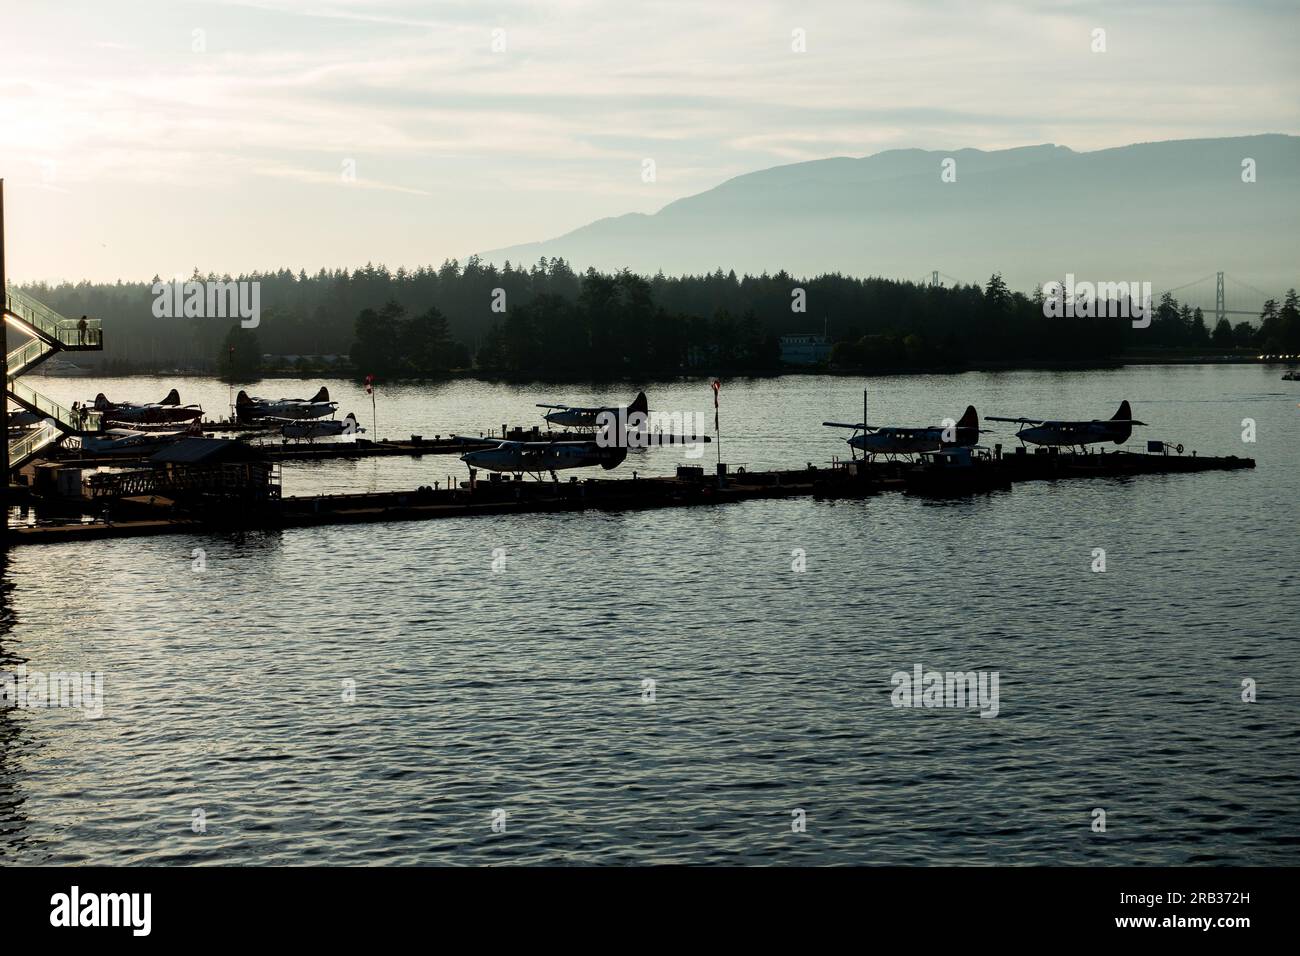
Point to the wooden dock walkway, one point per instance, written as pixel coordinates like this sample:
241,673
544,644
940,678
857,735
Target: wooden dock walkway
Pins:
150,516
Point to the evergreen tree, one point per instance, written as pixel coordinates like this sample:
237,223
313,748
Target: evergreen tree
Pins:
240,358
1222,337
1200,333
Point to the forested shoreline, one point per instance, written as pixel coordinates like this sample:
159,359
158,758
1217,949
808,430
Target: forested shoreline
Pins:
549,321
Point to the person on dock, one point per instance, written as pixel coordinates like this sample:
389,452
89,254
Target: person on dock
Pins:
81,331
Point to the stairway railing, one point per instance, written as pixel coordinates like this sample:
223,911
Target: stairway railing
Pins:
63,416
50,325
22,450
28,356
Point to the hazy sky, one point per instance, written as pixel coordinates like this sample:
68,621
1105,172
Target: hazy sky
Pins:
133,145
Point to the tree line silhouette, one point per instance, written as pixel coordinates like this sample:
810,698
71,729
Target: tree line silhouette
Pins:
547,320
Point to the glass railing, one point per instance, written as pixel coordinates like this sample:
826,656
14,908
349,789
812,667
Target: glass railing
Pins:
26,356
67,332
24,448
83,420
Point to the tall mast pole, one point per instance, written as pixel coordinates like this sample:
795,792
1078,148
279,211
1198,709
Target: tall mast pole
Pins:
864,431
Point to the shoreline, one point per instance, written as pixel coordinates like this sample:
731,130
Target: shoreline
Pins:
484,375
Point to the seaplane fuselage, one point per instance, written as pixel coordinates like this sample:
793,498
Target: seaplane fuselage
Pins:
899,441
297,411
573,417
315,428
518,457
1074,433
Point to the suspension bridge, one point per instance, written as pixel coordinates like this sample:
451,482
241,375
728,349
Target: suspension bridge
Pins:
1217,294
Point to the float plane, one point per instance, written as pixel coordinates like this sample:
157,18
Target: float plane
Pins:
169,411
251,409
539,457
130,441
1071,434
316,428
896,440
574,416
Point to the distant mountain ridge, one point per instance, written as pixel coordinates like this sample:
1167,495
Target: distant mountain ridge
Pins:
1167,212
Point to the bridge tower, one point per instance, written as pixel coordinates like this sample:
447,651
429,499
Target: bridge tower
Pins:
1220,306
934,278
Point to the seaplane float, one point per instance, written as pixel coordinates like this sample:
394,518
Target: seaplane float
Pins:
169,411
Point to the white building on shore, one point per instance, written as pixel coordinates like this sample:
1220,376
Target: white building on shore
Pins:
805,348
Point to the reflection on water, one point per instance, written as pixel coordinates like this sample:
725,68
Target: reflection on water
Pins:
374,693
13,744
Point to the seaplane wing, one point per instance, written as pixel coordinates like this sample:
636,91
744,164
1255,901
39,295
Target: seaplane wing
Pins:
298,419
858,427
1017,421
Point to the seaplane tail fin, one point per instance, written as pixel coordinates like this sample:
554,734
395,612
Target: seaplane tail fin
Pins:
173,398
1125,415
322,396
968,427
639,404
102,403
242,398
613,457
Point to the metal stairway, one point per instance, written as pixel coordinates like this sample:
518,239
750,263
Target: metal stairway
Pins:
50,333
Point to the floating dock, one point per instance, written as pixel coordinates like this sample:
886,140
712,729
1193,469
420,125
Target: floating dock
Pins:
156,514
415,447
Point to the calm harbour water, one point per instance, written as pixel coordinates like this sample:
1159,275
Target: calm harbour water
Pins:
522,690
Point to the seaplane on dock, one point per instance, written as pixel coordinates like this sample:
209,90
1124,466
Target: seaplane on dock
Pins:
587,418
132,442
893,440
1074,434
310,429
538,458
169,411
250,408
